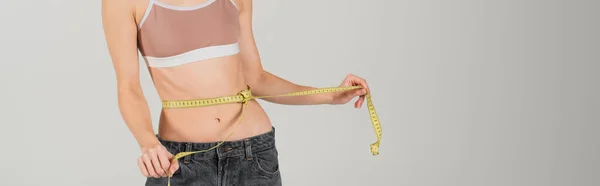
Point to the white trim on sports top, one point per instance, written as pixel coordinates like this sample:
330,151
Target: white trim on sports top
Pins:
148,9
193,56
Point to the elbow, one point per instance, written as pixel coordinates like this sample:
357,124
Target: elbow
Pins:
129,89
258,78
255,77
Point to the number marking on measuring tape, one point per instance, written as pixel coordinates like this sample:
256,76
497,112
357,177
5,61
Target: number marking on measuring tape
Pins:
246,95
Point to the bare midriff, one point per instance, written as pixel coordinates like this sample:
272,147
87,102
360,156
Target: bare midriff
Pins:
209,78
213,25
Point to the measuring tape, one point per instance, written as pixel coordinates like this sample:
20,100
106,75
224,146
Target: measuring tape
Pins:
246,95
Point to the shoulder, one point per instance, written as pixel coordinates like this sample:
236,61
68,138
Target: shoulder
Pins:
134,8
120,4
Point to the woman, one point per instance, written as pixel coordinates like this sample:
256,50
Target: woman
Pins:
198,49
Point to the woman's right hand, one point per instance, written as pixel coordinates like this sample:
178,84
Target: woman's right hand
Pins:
155,161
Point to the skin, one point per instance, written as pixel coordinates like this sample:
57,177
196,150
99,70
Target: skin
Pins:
120,19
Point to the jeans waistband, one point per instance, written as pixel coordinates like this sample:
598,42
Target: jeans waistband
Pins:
240,147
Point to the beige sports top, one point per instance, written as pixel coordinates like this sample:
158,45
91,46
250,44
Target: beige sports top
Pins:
171,35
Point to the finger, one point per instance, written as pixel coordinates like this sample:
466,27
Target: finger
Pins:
164,160
149,167
362,82
365,86
355,80
173,164
360,101
350,79
347,81
173,167
156,163
360,93
142,167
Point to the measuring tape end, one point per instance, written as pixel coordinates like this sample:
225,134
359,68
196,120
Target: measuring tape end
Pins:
375,149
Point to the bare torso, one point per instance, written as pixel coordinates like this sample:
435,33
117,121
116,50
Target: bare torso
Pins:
196,49
222,76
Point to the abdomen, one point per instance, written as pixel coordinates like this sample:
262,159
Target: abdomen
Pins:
206,79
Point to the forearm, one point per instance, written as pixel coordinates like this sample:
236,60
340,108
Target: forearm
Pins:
267,84
136,114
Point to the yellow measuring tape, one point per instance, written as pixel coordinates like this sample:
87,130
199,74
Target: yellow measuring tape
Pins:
246,95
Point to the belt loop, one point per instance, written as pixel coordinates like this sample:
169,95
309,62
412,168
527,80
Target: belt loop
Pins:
188,148
248,149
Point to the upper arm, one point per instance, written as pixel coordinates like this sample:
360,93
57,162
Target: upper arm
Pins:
248,49
120,30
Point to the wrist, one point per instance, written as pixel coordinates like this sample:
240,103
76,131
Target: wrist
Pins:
328,98
148,141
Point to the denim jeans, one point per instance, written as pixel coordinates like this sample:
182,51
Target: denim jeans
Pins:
248,162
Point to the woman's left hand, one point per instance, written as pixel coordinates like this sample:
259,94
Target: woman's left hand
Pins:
346,96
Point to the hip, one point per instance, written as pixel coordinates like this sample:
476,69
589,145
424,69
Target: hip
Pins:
249,161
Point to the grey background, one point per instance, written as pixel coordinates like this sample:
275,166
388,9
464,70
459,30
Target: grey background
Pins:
469,93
